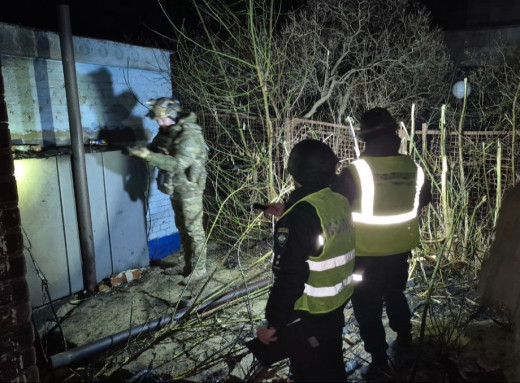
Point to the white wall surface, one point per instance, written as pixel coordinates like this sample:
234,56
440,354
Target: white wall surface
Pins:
114,81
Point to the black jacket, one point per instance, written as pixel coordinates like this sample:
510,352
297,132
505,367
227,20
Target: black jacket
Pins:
294,242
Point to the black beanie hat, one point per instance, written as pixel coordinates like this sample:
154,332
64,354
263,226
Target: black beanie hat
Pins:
312,162
377,122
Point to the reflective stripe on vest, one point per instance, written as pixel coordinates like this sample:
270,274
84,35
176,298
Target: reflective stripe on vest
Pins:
368,194
329,284
332,263
328,291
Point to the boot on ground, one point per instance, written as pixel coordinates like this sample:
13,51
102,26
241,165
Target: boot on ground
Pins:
402,351
195,276
378,370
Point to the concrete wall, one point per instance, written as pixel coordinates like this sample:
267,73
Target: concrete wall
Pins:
114,82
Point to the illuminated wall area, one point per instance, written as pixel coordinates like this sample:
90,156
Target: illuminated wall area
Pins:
132,220
48,216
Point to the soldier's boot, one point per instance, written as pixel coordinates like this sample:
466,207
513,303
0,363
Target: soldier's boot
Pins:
199,273
195,276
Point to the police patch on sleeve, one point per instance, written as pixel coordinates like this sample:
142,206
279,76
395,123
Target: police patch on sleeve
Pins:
281,236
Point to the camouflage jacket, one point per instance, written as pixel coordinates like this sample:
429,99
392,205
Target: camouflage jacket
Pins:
182,155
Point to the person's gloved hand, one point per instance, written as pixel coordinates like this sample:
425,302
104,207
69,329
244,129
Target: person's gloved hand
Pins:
141,152
266,335
276,209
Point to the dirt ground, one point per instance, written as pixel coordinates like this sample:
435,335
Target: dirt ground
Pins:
461,342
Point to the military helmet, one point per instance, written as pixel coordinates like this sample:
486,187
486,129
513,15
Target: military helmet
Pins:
312,162
163,107
377,122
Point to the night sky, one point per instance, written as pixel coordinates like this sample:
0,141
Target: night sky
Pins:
128,21
131,21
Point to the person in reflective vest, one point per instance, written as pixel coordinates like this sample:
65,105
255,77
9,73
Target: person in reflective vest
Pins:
387,191
312,264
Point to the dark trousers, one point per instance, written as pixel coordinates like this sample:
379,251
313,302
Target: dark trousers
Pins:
384,280
319,357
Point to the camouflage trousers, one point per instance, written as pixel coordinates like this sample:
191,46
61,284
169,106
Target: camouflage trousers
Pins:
188,219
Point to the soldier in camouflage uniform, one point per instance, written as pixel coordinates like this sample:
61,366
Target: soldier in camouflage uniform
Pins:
180,153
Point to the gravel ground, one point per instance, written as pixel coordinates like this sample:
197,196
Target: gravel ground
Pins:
208,346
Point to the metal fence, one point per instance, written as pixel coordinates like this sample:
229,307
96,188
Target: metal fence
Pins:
480,164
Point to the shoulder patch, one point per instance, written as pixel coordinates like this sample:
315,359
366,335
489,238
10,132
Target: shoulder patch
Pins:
281,236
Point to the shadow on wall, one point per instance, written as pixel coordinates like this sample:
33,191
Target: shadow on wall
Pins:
136,182
43,90
118,125
29,108
121,129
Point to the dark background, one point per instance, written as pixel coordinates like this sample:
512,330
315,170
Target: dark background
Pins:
127,21
134,21
139,22
465,14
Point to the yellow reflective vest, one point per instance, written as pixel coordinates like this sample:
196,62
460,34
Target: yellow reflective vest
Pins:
330,273
385,211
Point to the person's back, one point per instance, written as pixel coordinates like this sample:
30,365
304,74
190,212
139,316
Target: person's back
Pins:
385,213
385,190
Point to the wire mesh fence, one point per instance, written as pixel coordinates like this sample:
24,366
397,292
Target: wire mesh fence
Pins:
473,170
237,177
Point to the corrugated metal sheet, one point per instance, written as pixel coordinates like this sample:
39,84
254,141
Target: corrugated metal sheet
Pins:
48,217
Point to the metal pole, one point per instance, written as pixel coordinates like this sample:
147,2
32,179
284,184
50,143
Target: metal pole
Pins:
78,151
